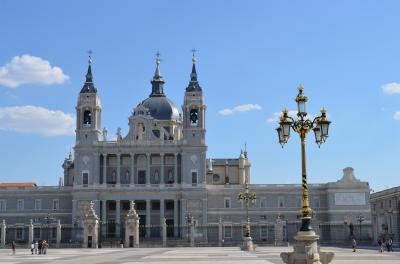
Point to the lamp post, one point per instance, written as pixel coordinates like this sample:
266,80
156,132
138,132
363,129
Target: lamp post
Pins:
306,239
247,198
360,219
302,125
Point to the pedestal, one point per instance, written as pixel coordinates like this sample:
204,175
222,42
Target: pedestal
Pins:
248,244
306,250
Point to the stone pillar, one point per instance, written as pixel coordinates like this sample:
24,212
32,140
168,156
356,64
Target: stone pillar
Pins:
104,212
3,233
162,214
132,181
162,169
91,228
118,169
148,212
278,231
30,232
104,169
175,218
176,168
220,227
118,218
205,220
148,169
95,179
164,232
192,232
184,230
58,239
132,227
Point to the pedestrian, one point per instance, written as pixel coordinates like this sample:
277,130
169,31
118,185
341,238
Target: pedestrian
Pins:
354,242
222,242
36,247
32,247
13,247
387,245
380,243
40,247
390,244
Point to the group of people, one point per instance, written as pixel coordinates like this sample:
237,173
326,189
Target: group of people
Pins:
39,247
388,243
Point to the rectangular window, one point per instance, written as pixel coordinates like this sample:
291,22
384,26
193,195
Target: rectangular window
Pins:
155,205
126,206
390,203
3,206
194,177
228,231
36,232
20,205
19,233
54,232
264,231
85,179
38,204
263,203
56,204
227,202
141,177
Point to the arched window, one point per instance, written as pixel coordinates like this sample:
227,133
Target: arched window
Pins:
87,117
194,117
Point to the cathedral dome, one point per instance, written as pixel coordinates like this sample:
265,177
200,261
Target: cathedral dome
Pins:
161,108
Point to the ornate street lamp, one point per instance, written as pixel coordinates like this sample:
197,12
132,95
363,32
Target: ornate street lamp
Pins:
247,198
302,125
360,219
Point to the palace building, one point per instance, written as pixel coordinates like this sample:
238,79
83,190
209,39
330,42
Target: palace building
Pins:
161,164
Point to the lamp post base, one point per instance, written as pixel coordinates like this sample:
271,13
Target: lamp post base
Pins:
306,250
248,244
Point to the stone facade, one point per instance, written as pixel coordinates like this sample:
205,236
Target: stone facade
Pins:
161,164
385,214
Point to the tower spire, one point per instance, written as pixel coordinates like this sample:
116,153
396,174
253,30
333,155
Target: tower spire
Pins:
193,84
158,81
88,86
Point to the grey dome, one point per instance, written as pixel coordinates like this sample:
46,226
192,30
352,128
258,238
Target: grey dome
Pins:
161,108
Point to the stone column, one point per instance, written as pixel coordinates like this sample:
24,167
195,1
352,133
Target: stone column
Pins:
148,169
205,220
58,239
132,227
96,177
3,233
220,226
132,181
192,232
91,228
104,169
184,230
118,218
148,212
164,232
176,168
175,218
118,169
162,213
30,232
162,169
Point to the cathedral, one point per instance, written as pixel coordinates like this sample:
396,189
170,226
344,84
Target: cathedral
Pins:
161,164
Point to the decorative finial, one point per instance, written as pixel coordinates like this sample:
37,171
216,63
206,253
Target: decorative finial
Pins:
194,56
285,111
323,110
300,88
158,60
90,60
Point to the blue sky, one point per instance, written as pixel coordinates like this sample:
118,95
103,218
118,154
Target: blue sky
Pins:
249,52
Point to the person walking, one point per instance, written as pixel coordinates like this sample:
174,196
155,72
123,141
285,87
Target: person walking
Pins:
380,243
354,244
36,247
13,247
32,247
390,245
40,247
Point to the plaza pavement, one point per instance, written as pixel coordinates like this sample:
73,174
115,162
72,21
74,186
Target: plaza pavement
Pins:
201,255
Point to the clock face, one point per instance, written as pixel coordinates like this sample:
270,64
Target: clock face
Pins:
194,117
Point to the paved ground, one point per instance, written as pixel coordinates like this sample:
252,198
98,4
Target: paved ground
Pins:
215,255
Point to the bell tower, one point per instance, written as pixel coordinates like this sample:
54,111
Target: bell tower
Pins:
194,110
194,145
88,112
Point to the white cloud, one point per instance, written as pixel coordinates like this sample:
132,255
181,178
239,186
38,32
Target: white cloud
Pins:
36,120
240,108
29,69
391,88
396,116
